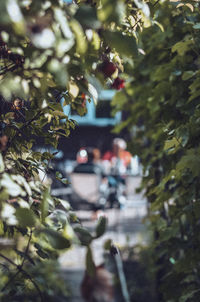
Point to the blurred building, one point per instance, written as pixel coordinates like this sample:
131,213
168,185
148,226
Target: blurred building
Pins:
94,129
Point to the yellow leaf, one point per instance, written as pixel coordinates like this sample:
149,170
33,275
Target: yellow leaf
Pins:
190,6
73,89
186,4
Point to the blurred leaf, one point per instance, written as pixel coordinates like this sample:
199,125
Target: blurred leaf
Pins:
44,205
90,266
187,75
65,204
25,217
8,214
2,167
25,255
41,252
189,295
56,239
81,43
11,187
107,245
172,143
111,11
84,235
73,89
182,47
62,20
143,6
87,17
183,135
125,45
101,226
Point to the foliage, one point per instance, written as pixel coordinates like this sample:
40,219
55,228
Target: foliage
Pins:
54,53
162,99
51,53
46,274
141,283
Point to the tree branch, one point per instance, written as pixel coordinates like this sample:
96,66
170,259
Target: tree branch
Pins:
27,248
21,270
20,131
156,3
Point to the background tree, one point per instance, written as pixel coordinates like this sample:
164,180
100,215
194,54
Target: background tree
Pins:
162,99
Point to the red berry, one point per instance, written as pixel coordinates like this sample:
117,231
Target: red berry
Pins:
118,84
83,97
108,68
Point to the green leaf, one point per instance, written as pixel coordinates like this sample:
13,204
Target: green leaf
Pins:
119,99
190,161
58,175
187,75
143,6
56,239
188,296
84,235
12,188
25,217
40,251
101,226
111,11
87,17
90,266
123,44
44,206
42,254
65,181
22,182
81,43
182,47
171,143
65,204
1,163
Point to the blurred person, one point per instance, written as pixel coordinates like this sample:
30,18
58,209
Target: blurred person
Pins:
82,156
118,158
116,163
97,156
87,161
92,164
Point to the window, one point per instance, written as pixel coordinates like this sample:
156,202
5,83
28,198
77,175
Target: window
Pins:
103,109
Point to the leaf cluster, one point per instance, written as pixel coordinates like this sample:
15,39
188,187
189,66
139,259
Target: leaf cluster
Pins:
162,99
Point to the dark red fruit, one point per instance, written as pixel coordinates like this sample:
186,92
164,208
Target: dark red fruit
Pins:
118,84
108,68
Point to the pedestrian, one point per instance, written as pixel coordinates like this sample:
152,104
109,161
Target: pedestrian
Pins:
119,158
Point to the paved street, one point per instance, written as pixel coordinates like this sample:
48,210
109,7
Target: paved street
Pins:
125,227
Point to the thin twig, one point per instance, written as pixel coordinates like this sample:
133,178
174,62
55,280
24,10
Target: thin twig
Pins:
136,23
27,248
156,3
20,269
19,131
10,280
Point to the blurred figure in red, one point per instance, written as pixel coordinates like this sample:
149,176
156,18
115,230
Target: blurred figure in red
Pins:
82,156
116,163
118,158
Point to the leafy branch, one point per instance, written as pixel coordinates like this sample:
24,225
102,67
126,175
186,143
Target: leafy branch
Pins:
21,270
